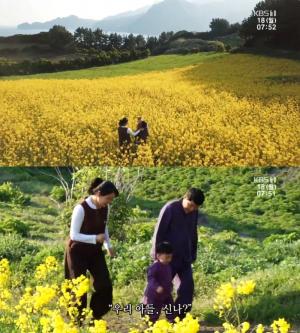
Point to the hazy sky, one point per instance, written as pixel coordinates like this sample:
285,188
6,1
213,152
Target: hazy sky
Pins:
13,12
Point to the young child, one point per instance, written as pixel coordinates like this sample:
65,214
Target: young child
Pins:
159,287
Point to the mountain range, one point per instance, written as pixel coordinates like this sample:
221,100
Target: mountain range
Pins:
167,15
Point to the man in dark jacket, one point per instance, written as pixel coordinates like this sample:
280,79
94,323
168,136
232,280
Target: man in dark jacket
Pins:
177,224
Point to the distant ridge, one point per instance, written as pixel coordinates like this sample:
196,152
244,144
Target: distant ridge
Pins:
167,15
70,22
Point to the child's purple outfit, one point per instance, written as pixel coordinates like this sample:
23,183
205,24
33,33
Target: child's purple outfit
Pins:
159,274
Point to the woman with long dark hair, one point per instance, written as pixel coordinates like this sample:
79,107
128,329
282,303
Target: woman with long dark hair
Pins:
125,133
84,252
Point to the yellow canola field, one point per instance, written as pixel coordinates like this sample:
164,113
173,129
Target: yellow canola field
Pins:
74,122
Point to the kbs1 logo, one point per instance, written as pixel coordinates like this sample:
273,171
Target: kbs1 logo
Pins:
264,13
266,19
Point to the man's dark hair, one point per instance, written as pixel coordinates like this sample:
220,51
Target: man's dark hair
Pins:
164,248
195,195
123,121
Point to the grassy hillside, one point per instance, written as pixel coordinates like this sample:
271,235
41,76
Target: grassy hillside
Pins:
231,200
41,213
240,235
149,64
250,75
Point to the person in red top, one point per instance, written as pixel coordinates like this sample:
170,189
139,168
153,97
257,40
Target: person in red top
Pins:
84,248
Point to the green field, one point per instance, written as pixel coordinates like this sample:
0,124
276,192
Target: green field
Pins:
240,234
158,63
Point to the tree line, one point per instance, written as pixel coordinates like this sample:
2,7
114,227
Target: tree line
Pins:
97,48
47,66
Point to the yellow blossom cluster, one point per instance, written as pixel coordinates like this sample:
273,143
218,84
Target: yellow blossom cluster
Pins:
46,308
55,323
245,287
50,265
72,290
280,326
227,295
189,324
100,326
74,122
5,293
230,328
50,308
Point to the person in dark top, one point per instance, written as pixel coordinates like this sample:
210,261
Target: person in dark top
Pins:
143,134
159,288
177,224
139,122
84,252
125,133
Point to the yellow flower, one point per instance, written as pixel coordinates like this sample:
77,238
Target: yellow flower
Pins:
229,328
245,327
224,297
280,326
246,287
187,325
50,265
260,329
4,272
100,326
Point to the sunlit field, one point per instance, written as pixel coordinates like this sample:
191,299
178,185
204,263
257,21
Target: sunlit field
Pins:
230,110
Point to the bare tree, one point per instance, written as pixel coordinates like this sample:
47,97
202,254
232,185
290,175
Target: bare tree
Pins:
64,182
125,182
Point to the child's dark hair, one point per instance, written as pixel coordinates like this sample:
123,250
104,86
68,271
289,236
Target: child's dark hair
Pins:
164,248
195,195
123,121
143,124
105,187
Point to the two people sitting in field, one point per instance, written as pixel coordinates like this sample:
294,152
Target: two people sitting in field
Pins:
127,136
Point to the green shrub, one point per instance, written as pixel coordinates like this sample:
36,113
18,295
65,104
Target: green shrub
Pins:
13,247
285,238
58,194
12,225
218,46
229,237
29,262
12,194
119,217
131,263
279,251
138,213
276,295
139,232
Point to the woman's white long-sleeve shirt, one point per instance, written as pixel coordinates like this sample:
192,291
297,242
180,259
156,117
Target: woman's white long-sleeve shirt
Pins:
131,132
76,224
